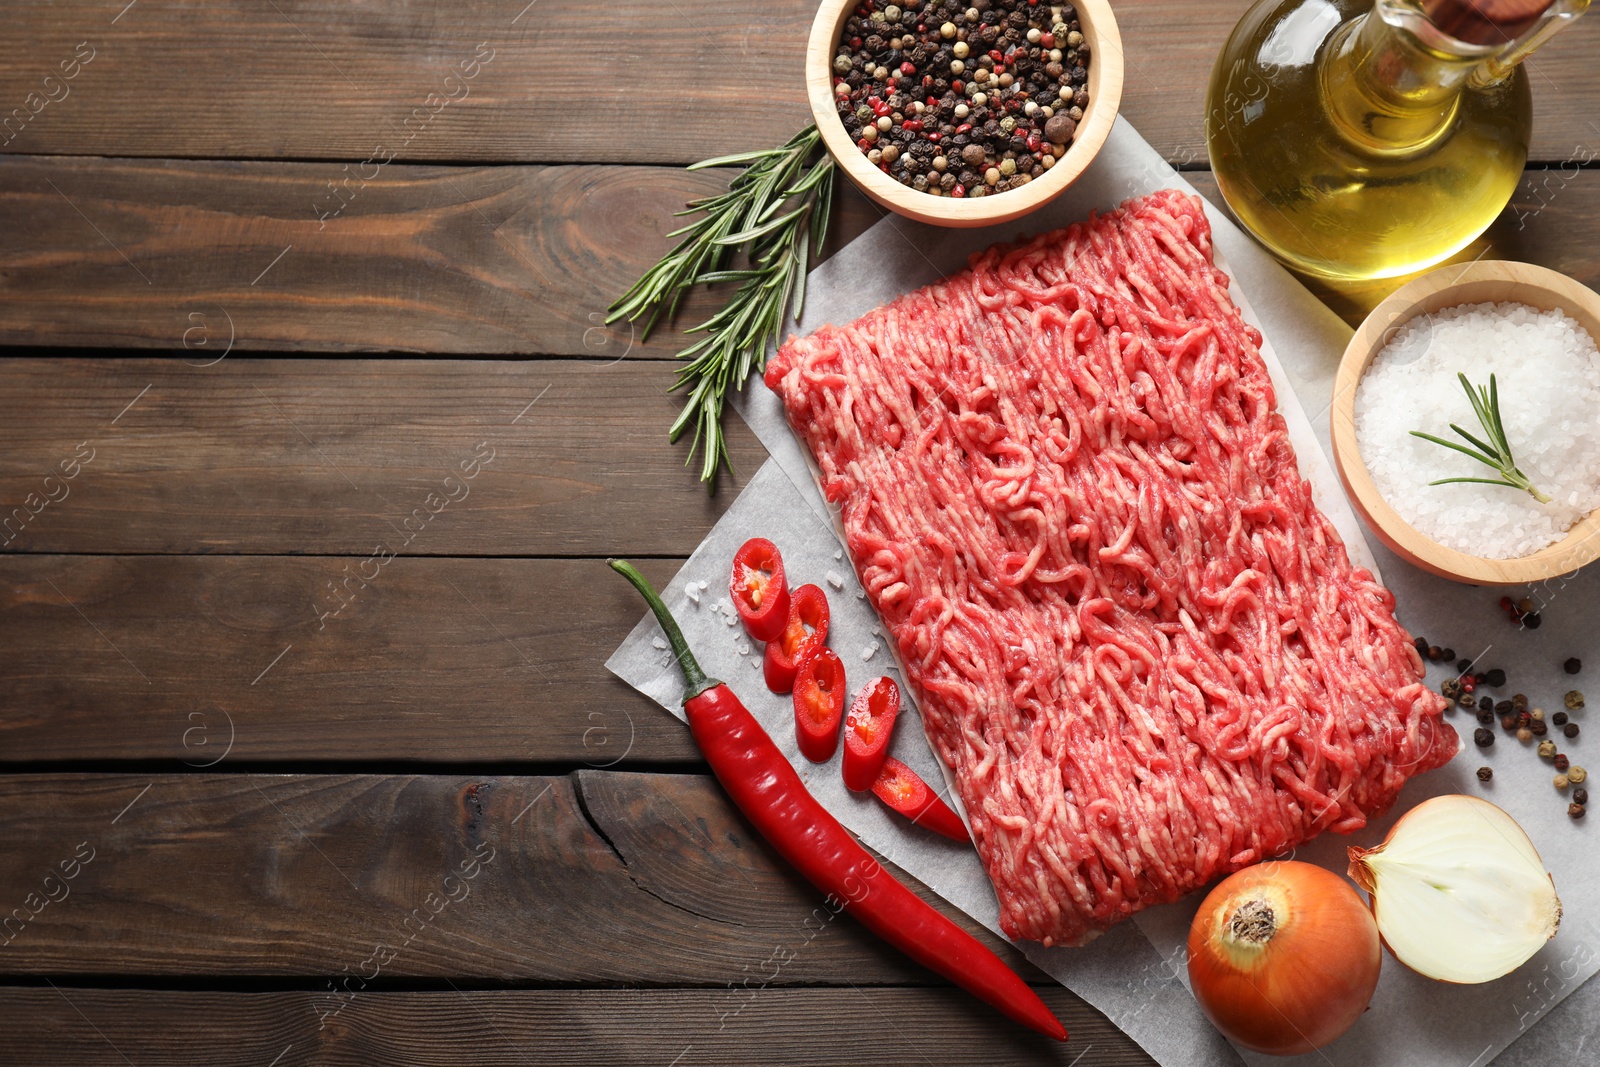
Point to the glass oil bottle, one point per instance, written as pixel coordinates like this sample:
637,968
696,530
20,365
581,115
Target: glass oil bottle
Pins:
1363,140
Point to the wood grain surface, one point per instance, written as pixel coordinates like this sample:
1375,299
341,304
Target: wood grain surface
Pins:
885,1026
204,258
203,658
563,80
287,456
592,878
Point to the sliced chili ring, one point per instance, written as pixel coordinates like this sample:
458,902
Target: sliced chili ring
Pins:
819,695
867,729
903,789
759,589
807,626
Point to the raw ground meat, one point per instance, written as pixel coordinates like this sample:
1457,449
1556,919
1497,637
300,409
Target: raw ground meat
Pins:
1137,642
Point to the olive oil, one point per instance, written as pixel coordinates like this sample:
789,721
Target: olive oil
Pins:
1358,140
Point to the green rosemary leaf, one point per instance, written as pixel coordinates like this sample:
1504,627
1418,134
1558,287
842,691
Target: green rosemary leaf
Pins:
775,213
1497,451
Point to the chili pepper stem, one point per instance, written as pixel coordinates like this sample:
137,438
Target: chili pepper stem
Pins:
694,679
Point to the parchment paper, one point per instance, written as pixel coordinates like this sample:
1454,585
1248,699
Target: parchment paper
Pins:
1137,974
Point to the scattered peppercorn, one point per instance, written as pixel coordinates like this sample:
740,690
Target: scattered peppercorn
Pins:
1486,703
1559,718
1547,749
1576,810
1422,645
1573,665
1561,762
1463,666
1539,728
1577,774
1504,706
1495,678
1532,620
1524,735
1570,730
1482,737
1487,718
1524,718
1451,689
1448,654
1560,781
1485,773
1519,701
1469,683
1537,714
1435,653
1573,700
1580,795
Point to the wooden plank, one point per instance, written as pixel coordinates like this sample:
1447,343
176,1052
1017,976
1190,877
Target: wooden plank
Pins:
565,458
470,260
206,258
599,877
563,81
518,1027
201,659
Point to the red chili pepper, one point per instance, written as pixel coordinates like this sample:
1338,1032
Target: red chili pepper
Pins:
903,789
819,692
807,626
867,730
759,589
765,788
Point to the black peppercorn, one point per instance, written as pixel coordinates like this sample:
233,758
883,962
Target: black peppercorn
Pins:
1495,678
1576,810
1507,722
1532,621
1486,703
1483,738
1570,730
1580,795
1519,701
1573,665
1485,773
1422,645
1504,706
1448,654
1539,727
1463,666
1559,718
1562,762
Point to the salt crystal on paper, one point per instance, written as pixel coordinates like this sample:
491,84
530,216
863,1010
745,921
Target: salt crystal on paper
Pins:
658,642
839,554
868,652
692,591
743,646
835,580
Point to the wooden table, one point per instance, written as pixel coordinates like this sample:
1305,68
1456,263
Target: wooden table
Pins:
309,753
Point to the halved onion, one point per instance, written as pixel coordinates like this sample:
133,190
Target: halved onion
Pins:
1459,892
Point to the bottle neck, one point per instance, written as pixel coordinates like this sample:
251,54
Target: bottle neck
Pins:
1390,85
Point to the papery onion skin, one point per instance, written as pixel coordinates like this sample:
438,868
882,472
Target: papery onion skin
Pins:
1291,981
1496,905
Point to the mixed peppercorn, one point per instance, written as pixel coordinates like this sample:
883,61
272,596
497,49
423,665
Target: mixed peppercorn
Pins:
1514,715
966,98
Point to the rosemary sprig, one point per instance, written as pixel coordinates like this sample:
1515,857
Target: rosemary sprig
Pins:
776,212
1496,452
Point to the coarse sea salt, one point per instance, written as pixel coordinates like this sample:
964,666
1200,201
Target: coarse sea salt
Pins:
1548,373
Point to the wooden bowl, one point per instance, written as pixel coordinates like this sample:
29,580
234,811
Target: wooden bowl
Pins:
1441,288
1099,28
